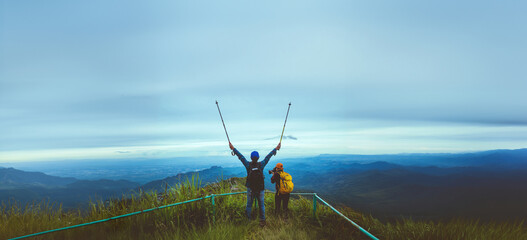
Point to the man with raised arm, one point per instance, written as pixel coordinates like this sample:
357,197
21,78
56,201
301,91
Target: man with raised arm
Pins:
255,180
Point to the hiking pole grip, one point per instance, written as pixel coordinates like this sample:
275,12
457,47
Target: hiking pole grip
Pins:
285,121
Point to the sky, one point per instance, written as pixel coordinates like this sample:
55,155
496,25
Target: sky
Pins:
139,79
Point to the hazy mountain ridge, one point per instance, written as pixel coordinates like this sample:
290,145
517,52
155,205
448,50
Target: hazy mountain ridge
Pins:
485,185
501,158
472,193
28,187
490,188
206,176
12,178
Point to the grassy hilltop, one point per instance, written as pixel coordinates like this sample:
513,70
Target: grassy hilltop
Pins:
194,220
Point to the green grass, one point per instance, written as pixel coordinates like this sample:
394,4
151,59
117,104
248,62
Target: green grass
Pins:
194,220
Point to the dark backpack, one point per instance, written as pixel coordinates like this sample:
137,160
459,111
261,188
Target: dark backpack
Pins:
255,177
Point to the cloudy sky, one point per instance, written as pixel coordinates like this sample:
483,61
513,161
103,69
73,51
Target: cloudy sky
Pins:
133,79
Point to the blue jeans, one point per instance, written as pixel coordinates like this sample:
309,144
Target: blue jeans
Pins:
251,196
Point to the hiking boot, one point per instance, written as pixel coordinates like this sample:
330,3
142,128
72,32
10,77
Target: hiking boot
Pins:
262,223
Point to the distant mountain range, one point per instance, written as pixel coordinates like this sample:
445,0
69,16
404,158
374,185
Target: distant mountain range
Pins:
486,185
206,176
11,178
27,187
425,192
508,159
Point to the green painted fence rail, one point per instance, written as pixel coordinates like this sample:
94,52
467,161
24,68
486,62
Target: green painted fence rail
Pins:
342,215
315,198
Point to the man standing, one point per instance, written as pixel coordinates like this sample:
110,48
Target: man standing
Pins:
255,180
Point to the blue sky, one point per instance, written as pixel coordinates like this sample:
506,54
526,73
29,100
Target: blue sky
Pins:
130,79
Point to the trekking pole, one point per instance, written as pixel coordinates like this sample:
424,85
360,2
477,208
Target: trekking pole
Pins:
217,105
285,121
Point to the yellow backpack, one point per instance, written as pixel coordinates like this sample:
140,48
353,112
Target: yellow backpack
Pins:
286,183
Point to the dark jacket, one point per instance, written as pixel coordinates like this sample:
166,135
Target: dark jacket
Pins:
276,179
261,165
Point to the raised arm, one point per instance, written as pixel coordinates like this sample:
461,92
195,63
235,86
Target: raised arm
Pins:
239,155
268,157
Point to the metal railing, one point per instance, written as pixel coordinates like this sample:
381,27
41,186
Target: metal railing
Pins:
315,197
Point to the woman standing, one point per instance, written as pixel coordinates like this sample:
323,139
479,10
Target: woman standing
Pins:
281,198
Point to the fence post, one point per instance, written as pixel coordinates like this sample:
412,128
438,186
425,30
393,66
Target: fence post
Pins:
314,205
213,210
